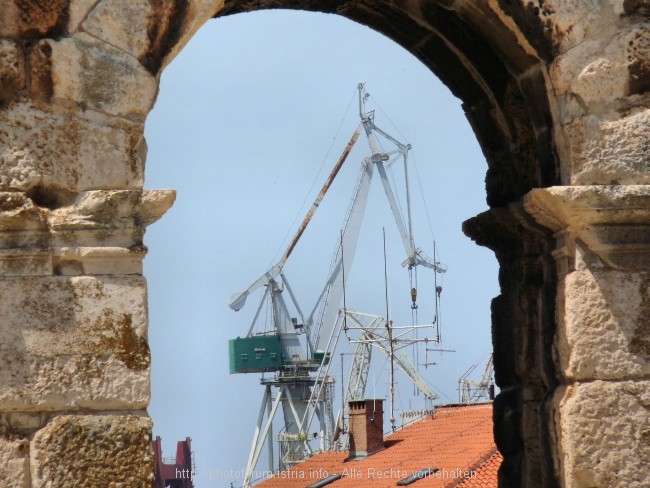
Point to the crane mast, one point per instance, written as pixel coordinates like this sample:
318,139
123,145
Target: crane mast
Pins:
301,383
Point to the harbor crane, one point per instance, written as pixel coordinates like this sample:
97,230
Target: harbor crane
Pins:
298,349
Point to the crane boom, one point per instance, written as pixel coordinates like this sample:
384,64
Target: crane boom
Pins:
238,300
321,194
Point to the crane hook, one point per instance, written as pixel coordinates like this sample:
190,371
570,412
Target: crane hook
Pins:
414,297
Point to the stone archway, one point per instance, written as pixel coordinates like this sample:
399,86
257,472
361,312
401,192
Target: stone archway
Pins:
557,95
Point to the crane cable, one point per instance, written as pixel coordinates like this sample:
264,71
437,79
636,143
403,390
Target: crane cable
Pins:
438,292
414,320
413,282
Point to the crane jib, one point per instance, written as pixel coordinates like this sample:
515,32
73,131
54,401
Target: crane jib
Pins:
322,193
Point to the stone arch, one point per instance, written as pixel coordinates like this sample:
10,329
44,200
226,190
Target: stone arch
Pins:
557,95
504,91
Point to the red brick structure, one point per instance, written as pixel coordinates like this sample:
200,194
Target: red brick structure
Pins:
366,427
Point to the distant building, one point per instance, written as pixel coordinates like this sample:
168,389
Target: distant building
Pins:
177,472
452,447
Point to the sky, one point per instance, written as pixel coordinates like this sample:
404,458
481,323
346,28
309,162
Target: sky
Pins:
250,118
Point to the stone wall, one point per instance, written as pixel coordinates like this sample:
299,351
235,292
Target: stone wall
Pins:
75,87
558,94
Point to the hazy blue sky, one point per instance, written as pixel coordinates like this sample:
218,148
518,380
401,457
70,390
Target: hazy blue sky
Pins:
243,125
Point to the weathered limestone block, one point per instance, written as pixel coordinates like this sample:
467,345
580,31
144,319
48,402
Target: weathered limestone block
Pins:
172,33
25,423
12,69
597,69
638,54
24,237
84,150
19,213
610,151
14,461
603,432
598,84
152,31
569,23
92,233
93,452
69,343
123,24
638,8
148,30
597,226
93,74
25,262
32,19
604,325
78,11
75,261
116,209
108,220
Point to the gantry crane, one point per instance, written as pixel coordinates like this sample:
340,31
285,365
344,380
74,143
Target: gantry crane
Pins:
298,349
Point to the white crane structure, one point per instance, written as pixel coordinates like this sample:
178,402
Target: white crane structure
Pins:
377,332
298,350
474,391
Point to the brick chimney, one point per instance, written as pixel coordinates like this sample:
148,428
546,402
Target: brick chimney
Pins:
366,427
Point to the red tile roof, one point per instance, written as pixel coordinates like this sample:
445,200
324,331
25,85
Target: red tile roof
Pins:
457,440
486,473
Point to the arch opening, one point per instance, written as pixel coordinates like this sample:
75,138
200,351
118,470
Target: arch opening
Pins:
495,80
